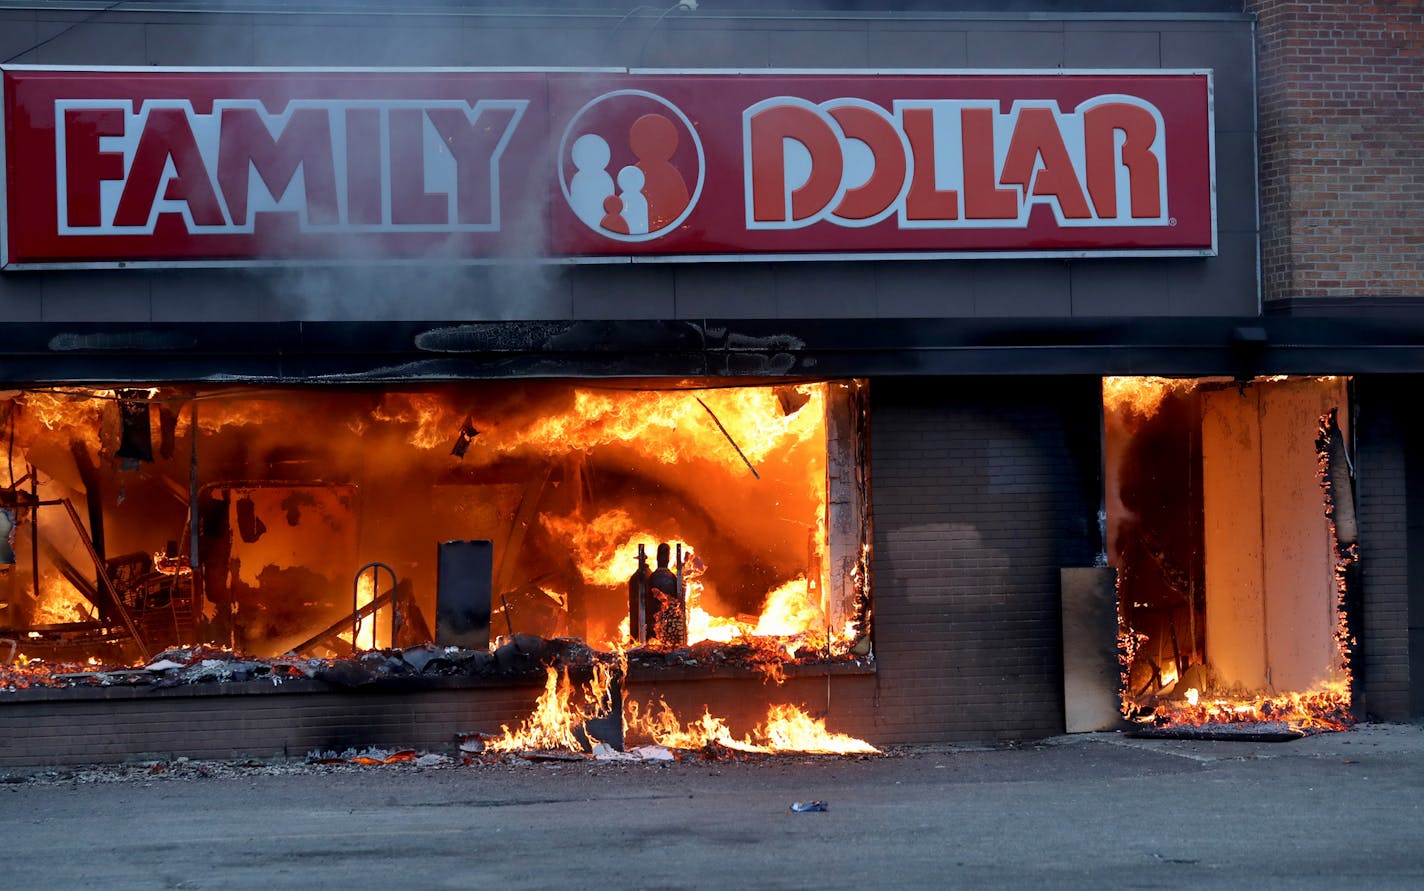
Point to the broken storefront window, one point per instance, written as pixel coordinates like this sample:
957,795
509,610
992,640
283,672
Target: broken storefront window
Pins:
152,519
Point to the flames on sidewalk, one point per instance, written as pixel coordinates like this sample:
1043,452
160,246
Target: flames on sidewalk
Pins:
565,714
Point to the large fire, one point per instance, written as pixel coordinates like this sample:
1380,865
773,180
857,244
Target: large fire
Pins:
1197,470
237,517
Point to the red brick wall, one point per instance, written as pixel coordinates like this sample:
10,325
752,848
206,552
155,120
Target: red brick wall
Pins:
1341,103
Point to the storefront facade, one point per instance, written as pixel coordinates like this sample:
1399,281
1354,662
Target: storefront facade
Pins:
955,336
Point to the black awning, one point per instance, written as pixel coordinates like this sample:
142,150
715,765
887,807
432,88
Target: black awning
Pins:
351,352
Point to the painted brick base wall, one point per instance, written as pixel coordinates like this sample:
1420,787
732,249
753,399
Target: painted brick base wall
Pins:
247,721
249,725
1341,120
981,490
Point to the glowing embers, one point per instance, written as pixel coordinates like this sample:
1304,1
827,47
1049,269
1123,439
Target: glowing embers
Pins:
1229,579
1325,708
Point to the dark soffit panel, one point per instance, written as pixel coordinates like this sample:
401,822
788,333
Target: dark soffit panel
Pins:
352,352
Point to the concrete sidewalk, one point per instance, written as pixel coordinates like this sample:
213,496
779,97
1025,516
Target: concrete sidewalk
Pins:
1088,811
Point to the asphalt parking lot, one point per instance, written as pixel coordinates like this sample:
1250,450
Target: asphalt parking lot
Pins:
1089,811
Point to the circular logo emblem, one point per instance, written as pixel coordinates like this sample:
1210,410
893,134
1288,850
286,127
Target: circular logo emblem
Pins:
631,166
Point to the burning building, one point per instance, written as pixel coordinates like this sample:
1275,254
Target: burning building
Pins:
373,376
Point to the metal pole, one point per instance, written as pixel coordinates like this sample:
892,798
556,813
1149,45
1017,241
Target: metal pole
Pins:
195,563
35,528
105,580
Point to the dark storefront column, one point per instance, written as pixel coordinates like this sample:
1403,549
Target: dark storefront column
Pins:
982,490
1390,468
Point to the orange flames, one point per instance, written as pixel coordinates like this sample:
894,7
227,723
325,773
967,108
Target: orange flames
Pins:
54,409
1177,686
427,413
1140,395
564,707
789,611
366,637
293,488
787,729
560,713
646,420
59,603
603,550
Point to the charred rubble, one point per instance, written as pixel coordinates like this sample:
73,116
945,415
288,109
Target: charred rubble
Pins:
523,657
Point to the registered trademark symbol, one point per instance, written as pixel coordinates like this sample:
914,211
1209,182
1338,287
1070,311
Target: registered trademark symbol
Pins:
1172,221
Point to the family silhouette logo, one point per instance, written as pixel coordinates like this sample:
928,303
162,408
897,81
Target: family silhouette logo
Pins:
631,166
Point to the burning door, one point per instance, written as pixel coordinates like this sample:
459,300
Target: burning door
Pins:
1269,583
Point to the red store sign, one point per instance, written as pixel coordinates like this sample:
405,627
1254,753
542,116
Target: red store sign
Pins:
231,167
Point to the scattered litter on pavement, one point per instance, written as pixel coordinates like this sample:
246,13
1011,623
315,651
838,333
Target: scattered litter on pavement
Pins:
803,807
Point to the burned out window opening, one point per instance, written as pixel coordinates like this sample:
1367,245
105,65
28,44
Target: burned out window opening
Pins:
175,526
1233,550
